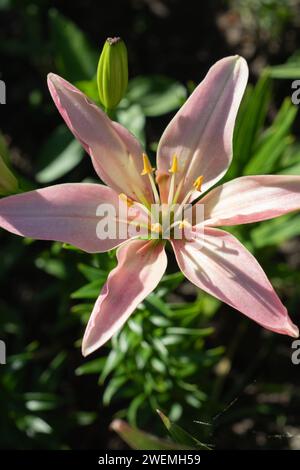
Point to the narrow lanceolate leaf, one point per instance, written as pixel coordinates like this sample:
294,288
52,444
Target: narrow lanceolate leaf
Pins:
140,440
59,155
74,56
277,231
274,142
289,70
250,120
8,182
156,94
133,119
181,436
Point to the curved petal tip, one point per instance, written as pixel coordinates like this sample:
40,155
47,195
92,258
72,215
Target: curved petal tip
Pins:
292,330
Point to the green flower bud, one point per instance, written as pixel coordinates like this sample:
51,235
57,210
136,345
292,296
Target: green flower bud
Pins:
8,183
112,73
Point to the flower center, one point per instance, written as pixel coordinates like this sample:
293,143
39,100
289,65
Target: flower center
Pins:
166,221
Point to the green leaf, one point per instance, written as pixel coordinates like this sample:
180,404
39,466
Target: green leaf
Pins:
134,407
4,149
290,162
157,95
91,367
39,401
251,118
155,304
53,267
276,231
158,365
273,141
134,120
34,425
113,359
171,281
289,70
52,372
89,291
82,308
114,384
180,435
91,273
75,58
89,88
291,170
59,155
140,440
189,331
85,418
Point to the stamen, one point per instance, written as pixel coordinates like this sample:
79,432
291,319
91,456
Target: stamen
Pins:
174,167
148,170
178,191
196,186
173,170
126,199
130,202
184,224
135,180
198,183
181,224
156,228
132,222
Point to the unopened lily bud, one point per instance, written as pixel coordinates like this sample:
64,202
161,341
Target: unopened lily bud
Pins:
8,183
112,73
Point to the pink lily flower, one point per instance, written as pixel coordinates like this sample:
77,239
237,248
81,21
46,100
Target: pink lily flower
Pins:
194,153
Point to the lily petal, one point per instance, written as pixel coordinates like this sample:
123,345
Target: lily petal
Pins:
64,212
200,134
141,265
251,199
115,153
225,269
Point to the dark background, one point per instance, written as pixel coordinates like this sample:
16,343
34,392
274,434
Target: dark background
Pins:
179,39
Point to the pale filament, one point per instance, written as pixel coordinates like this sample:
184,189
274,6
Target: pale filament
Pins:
172,196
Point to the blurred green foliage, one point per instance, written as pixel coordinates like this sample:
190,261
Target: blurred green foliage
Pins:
181,351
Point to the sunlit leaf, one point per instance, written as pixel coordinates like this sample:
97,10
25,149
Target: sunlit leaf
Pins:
180,435
156,94
75,58
59,155
137,439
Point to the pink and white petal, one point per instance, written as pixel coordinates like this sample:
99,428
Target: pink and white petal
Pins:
67,213
141,265
221,266
201,132
251,199
115,153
